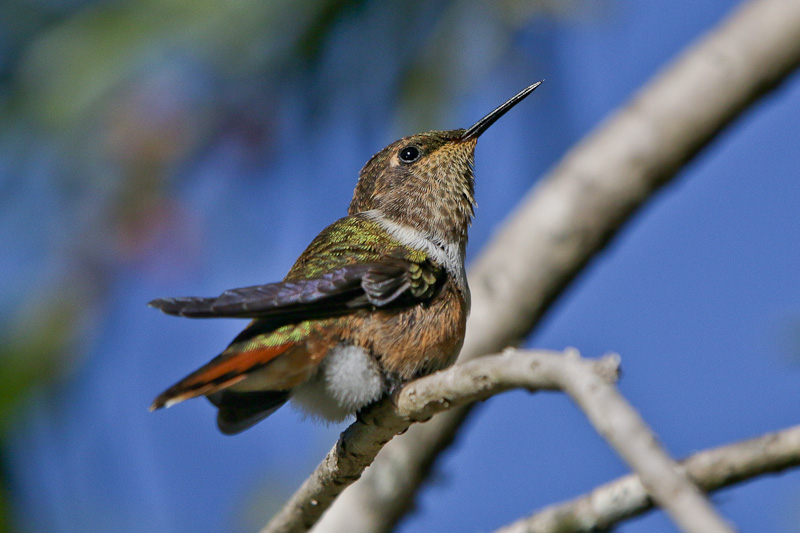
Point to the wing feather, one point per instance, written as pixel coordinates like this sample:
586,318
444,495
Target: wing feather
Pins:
335,292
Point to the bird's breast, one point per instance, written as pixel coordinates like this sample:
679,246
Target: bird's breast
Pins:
377,350
415,341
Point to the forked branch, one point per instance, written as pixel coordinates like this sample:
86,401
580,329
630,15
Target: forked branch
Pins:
626,497
418,401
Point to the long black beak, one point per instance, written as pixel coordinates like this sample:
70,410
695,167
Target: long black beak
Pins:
483,124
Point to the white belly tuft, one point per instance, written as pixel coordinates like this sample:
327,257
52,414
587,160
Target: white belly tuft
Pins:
346,380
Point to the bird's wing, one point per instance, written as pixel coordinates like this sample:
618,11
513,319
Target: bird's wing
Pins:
389,282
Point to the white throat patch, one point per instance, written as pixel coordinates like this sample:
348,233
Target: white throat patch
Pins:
446,254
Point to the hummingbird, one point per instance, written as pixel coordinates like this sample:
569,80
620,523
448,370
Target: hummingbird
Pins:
379,297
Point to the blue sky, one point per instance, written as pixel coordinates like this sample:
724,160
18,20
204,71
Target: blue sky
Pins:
698,292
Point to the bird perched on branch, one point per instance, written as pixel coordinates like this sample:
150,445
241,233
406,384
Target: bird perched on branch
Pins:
378,298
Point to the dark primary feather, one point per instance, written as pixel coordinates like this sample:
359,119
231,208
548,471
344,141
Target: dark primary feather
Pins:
335,292
241,410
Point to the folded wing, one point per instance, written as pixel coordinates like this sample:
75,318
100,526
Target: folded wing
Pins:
390,282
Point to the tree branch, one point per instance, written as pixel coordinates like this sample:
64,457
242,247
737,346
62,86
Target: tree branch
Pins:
626,497
418,401
576,209
624,429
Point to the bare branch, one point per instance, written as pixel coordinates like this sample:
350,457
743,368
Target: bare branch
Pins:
626,497
418,401
624,429
577,208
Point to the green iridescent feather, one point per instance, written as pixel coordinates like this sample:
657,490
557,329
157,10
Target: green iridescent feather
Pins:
350,240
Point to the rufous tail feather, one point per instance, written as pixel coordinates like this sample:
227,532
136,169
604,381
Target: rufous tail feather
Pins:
221,372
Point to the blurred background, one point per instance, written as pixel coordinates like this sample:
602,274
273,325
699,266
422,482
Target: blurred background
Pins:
159,148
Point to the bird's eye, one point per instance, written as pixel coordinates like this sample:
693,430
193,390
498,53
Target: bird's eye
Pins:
409,154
